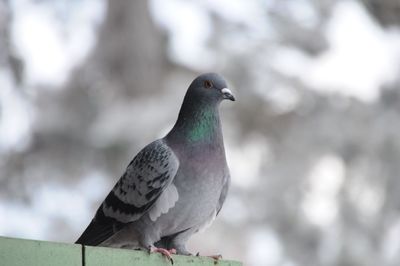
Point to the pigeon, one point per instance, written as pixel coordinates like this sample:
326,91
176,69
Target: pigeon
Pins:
175,186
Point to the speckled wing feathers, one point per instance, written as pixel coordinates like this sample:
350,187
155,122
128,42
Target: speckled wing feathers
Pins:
143,188
146,177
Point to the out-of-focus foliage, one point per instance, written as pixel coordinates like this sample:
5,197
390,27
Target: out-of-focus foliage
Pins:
313,141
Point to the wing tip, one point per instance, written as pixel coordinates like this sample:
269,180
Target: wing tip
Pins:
95,234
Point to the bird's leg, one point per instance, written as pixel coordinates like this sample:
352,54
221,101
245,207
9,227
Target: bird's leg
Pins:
165,252
179,242
181,250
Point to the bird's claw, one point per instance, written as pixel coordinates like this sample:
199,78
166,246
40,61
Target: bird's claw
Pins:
165,252
216,257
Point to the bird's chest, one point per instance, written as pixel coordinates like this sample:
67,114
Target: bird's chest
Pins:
199,186
201,171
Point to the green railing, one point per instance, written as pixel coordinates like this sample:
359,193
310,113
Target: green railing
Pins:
21,252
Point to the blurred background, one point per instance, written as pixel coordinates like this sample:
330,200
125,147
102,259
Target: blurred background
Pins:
313,141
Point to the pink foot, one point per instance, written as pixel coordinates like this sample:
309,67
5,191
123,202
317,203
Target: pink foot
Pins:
216,257
165,252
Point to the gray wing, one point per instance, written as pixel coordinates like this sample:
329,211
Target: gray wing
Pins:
146,178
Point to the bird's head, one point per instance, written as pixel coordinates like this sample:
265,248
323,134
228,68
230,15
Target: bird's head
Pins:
198,119
210,87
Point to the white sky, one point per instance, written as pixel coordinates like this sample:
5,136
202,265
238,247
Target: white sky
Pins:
53,201
51,45
361,57
320,205
15,116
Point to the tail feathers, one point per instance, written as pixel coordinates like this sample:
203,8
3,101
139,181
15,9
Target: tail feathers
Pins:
96,233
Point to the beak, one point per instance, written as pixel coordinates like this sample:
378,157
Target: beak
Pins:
227,94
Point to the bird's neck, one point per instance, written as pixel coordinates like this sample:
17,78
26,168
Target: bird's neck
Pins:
198,123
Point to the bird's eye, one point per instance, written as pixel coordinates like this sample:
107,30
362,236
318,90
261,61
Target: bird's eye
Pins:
208,84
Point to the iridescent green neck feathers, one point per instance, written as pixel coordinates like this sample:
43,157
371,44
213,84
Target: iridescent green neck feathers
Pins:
197,124
203,126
